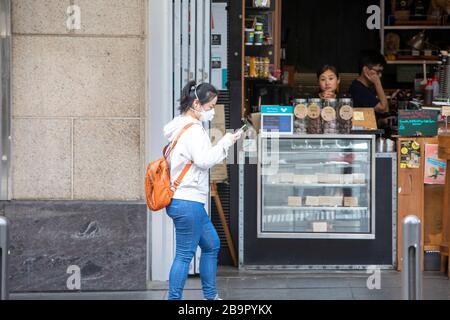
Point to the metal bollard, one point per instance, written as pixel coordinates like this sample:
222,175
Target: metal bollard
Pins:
412,259
4,253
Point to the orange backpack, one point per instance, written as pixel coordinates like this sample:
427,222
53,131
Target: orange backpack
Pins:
158,190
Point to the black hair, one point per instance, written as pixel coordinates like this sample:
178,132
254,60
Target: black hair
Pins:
326,68
204,92
370,59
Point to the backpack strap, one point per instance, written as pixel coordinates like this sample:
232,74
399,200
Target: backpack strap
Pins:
172,145
169,149
177,182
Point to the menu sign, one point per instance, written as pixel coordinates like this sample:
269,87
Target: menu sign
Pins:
412,123
277,119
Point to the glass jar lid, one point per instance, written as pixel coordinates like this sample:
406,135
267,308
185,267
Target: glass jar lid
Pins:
346,100
315,100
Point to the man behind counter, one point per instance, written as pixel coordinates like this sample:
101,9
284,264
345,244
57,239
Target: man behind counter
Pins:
362,90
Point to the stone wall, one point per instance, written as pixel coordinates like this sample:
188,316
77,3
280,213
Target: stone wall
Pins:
78,100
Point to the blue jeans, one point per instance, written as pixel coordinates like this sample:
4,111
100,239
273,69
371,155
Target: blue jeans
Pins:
193,228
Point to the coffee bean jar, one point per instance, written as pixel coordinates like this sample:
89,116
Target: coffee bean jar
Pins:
313,118
345,115
328,115
300,114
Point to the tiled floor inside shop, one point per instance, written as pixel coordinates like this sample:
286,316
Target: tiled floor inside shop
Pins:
264,285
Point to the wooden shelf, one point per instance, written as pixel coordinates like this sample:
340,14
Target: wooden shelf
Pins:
406,27
256,79
258,9
412,61
271,17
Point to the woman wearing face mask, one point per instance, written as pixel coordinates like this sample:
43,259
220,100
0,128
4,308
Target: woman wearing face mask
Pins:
329,81
192,225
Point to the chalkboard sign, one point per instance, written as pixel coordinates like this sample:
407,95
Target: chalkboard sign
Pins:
412,123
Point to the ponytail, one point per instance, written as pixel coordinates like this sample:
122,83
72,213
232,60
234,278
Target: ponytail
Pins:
204,92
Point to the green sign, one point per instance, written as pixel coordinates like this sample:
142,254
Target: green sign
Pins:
414,123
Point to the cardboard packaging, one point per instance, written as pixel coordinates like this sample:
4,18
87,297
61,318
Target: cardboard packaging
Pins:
295,201
348,178
330,178
312,201
331,201
359,178
351,202
364,119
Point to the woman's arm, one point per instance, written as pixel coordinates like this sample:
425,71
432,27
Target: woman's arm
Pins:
202,154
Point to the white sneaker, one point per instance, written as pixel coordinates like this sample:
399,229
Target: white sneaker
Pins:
215,298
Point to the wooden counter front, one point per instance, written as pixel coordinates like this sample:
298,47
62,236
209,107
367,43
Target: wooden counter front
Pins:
416,198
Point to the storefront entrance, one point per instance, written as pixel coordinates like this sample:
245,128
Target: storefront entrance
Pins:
179,51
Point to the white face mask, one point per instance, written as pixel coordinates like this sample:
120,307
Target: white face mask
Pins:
206,116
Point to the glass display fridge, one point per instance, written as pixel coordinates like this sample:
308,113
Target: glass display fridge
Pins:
316,187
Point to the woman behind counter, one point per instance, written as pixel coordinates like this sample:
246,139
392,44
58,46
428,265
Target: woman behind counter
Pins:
329,82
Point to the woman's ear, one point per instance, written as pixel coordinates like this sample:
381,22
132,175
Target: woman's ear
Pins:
196,105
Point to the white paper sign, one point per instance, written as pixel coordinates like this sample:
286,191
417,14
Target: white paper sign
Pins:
445,111
219,45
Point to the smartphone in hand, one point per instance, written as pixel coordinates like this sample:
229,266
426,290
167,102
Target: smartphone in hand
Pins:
242,129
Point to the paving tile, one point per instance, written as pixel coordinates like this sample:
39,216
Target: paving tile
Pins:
193,283
382,294
435,293
436,283
257,294
291,294
385,282
192,295
321,294
141,295
258,282
158,285
277,286
317,282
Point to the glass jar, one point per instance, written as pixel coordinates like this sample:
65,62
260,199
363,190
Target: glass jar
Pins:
259,38
247,67
259,67
345,115
328,115
252,67
259,26
249,36
266,68
300,113
313,119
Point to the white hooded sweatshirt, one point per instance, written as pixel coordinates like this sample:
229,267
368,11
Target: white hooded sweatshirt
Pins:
194,145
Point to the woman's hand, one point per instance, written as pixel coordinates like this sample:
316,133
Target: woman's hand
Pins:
328,95
230,138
